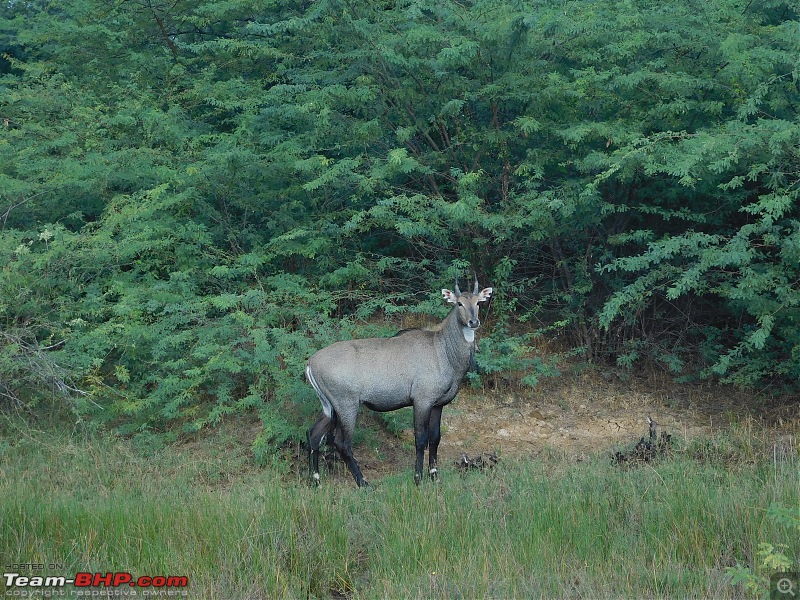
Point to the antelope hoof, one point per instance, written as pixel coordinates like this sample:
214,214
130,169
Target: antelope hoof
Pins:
315,479
417,478
433,472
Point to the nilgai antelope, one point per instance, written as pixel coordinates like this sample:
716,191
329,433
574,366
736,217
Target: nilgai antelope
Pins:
417,367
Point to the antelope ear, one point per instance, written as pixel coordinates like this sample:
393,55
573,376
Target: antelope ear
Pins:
449,296
485,294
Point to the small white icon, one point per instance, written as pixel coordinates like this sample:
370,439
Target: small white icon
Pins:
785,586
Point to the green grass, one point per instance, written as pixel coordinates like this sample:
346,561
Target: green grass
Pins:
547,528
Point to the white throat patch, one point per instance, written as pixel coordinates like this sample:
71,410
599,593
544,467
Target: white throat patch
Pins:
469,334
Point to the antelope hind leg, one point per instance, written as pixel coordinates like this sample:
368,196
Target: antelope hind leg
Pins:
315,435
343,443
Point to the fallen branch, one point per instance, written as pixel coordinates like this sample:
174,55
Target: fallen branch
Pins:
647,450
478,463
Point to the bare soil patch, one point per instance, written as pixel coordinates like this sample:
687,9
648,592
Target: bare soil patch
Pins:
583,414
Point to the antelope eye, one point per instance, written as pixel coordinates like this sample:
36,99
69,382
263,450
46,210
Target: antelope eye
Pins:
459,303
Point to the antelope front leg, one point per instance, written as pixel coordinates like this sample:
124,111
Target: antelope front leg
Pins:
421,437
435,430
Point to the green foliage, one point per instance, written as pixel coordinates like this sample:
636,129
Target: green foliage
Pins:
195,196
720,238
773,558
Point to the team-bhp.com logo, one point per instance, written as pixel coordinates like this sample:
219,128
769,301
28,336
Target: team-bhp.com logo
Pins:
16,584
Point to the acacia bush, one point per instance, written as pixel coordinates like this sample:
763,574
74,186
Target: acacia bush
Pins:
194,196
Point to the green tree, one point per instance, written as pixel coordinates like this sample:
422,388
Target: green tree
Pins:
196,195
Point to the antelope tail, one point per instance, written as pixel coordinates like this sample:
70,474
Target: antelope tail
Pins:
327,407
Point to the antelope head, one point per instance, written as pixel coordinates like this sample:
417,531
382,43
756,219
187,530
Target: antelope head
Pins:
467,303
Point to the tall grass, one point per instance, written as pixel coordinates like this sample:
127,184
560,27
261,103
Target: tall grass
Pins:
547,528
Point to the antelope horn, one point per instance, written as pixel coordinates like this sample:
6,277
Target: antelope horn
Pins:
475,289
458,291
